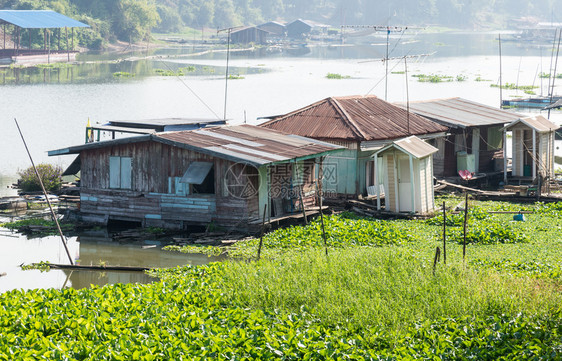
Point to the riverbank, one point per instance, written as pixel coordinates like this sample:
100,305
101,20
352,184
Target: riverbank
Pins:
375,295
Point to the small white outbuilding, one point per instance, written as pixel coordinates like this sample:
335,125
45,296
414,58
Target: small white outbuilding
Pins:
532,147
407,175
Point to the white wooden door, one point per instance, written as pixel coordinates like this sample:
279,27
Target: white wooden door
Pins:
404,184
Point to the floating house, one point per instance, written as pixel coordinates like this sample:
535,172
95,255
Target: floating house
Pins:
227,175
22,23
407,176
475,135
250,34
274,28
362,124
532,148
300,29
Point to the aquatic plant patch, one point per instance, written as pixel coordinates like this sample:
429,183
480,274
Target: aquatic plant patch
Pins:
456,219
432,78
37,226
521,268
343,230
337,76
487,233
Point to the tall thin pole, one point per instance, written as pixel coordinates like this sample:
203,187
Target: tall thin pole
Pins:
554,74
464,229
386,63
226,76
46,196
551,60
262,231
320,195
444,233
407,96
500,46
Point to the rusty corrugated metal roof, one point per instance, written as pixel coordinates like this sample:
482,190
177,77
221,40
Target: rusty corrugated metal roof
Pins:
240,143
539,123
459,112
411,145
358,118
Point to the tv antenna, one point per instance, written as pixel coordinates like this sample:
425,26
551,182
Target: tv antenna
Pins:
229,31
388,30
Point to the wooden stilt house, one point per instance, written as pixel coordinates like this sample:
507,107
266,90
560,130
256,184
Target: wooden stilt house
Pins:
474,140
362,124
227,175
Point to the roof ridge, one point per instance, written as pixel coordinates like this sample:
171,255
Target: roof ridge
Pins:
356,127
278,119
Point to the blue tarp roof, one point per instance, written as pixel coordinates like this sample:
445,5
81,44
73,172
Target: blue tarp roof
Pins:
39,19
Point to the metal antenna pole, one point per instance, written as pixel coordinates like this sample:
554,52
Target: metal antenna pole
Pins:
46,196
500,47
226,76
555,66
407,95
386,63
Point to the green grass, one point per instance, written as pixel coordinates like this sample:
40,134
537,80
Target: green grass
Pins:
361,288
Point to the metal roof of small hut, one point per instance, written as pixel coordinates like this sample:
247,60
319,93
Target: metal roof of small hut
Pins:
411,145
461,113
359,118
241,143
38,19
539,123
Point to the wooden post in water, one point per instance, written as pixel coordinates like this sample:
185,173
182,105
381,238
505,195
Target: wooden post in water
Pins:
464,231
436,259
444,233
46,195
67,48
319,188
262,231
301,188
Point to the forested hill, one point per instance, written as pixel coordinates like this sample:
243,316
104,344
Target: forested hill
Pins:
135,19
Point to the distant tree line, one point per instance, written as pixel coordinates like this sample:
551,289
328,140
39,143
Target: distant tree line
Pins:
134,20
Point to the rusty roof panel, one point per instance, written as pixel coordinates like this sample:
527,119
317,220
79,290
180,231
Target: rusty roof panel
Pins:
459,112
357,118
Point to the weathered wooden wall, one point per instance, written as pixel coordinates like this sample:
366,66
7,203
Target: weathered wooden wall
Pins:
153,199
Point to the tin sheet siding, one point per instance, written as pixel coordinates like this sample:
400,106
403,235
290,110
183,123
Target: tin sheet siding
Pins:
340,173
151,200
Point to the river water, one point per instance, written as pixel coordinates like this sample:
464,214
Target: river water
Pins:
53,106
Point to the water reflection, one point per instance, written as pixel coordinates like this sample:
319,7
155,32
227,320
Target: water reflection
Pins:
86,250
111,72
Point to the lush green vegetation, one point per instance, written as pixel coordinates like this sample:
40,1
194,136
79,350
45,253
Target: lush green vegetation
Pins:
135,20
50,176
375,296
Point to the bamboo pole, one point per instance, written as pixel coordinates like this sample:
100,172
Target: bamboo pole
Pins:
436,259
300,193
444,234
319,188
46,195
464,230
262,231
